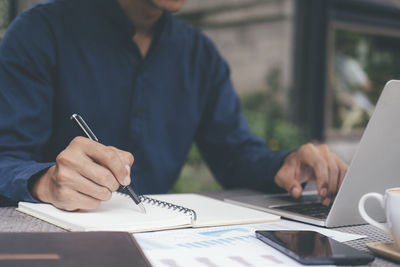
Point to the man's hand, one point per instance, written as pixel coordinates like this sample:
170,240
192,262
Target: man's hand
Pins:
85,174
312,162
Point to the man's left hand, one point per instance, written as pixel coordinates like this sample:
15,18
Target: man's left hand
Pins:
312,162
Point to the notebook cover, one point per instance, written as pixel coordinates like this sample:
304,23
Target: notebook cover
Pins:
71,249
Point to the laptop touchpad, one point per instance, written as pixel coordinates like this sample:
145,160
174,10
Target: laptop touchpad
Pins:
284,200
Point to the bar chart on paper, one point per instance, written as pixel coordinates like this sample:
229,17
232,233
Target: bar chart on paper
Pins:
210,247
223,246
209,239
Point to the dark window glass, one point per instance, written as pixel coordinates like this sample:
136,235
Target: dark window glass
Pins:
361,63
5,16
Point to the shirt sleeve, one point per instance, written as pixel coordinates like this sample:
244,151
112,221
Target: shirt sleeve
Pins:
26,96
235,156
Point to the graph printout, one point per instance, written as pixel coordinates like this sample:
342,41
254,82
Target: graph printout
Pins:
220,246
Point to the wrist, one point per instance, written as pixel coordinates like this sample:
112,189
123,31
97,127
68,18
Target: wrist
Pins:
40,187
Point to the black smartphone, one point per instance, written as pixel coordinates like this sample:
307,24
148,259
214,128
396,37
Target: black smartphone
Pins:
311,248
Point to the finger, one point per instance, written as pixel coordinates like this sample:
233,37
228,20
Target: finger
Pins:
110,159
93,190
128,159
105,156
311,156
125,156
286,178
333,175
70,179
342,170
77,160
98,174
87,202
70,200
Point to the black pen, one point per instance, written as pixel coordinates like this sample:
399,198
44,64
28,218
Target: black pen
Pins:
88,132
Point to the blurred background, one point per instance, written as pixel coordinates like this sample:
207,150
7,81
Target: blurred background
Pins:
305,70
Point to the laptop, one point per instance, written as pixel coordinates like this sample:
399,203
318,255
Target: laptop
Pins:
374,168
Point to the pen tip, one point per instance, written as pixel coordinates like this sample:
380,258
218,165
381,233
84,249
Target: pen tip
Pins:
142,209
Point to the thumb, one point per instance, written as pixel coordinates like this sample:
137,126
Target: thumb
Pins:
290,184
296,190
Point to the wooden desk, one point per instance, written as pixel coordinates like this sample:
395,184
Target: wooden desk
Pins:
14,221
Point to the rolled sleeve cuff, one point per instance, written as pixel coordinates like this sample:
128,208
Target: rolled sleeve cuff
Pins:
272,163
21,189
276,162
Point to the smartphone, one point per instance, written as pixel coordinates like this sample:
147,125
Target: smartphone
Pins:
311,248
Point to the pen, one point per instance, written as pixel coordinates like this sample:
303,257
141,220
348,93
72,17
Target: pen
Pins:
88,132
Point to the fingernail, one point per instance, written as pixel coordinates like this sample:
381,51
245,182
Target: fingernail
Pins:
323,192
295,191
127,179
326,202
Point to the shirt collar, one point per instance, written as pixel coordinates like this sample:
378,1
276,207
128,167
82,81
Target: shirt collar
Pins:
115,14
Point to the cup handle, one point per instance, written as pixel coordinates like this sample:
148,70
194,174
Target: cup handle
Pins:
366,217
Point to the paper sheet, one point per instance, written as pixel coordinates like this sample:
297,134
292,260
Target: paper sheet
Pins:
223,246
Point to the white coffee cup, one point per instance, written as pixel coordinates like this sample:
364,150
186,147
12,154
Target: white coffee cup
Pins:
390,202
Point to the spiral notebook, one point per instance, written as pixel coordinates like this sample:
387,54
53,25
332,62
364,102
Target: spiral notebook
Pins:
166,211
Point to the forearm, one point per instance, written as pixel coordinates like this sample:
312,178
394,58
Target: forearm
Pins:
15,175
249,164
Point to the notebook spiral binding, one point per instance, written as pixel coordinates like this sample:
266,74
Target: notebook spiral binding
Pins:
164,204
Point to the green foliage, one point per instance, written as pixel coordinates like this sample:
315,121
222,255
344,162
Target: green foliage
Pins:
5,16
268,118
285,136
195,178
194,157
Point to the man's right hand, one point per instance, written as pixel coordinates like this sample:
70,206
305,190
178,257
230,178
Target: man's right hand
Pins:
85,174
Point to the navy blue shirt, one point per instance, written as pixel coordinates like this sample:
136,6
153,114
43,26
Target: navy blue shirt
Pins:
77,56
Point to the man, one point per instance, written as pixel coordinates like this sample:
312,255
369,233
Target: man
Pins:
148,85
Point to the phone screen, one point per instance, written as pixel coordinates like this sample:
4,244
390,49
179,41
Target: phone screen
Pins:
309,247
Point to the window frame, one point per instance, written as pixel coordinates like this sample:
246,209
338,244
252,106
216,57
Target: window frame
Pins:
11,13
313,41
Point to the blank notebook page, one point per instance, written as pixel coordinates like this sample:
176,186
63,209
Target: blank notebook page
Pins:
118,214
121,214
212,212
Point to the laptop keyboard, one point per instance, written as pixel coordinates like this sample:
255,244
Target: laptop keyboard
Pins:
316,210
